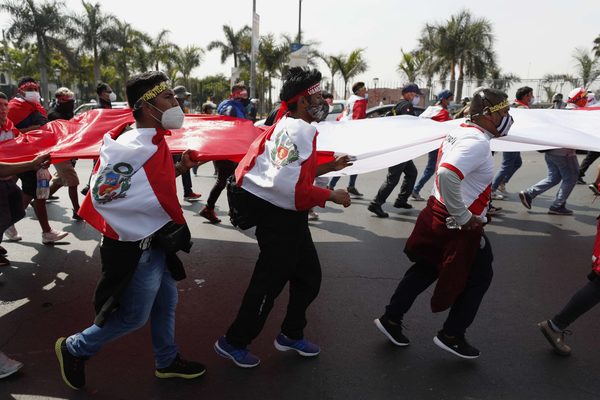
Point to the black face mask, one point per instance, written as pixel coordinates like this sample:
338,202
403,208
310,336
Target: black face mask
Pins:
66,108
245,102
318,111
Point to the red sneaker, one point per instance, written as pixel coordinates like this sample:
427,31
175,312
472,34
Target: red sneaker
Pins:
209,214
192,197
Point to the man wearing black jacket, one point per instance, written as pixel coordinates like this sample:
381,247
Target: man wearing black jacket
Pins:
410,93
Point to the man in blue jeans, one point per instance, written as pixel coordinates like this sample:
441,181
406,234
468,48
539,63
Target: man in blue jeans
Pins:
138,270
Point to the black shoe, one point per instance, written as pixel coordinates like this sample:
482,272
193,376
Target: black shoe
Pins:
53,198
354,192
72,368
402,204
580,181
85,190
76,216
456,345
392,331
525,199
181,368
377,210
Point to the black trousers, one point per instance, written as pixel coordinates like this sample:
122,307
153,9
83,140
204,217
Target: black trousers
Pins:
587,161
393,177
287,254
11,205
462,313
225,169
186,178
581,302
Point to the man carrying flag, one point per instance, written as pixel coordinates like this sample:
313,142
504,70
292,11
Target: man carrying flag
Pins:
133,196
278,173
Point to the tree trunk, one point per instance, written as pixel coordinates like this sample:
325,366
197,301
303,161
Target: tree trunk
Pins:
43,65
452,77
332,86
270,91
459,84
345,88
96,65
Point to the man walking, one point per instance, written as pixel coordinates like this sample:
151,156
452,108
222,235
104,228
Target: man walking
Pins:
447,243
138,269
410,95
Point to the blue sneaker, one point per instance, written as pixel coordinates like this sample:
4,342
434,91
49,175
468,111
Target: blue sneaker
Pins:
302,346
241,357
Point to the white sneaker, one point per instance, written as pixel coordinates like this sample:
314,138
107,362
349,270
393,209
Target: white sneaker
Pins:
497,196
502,188
416,197
53,236
8,366
12,235
312,215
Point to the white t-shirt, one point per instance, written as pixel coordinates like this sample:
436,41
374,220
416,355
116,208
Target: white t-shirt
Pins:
466,151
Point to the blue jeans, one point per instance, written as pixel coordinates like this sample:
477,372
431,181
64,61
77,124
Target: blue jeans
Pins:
565,168
335,180
511,162
428,172
152,292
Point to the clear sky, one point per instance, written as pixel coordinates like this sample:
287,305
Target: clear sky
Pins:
532,37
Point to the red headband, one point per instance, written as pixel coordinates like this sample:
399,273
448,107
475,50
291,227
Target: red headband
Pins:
316,88
29,86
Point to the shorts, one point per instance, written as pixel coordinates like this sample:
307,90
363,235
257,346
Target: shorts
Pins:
65,174
11,205
28,183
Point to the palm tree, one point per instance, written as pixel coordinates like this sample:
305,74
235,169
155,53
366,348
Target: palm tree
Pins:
596,48
559,80
502,81
270,58
41,22
587,66
350,65
232,45
333,69
129,48
162,51
94,29
189,58
410,64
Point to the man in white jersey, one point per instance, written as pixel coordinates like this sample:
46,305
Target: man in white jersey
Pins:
448,243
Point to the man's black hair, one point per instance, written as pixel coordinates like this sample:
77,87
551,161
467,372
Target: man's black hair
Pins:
139,84
357,86
297,80
523,91
25,79
484,99
3,96
102,87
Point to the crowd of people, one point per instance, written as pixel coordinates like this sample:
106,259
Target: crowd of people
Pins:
279,180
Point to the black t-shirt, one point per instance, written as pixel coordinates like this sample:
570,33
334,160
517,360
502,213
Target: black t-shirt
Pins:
404,107
272,115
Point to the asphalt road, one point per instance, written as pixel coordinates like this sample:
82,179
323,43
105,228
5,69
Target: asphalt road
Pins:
540,260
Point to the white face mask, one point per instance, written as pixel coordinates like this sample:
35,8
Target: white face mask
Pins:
32,97
112,97
367,96
416,100
171,118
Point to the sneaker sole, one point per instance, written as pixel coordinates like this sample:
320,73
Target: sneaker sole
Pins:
58,352
442,346
14,371
166,375
55,240
17,239
281,347
558,213
382,329
551,341
225,354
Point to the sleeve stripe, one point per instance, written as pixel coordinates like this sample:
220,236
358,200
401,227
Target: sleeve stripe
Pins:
453,169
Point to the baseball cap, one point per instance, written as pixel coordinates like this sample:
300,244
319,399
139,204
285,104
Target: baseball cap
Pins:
181,92
411,88
444,94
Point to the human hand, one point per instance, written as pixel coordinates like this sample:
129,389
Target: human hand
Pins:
342,162
340,196
187,162
42,161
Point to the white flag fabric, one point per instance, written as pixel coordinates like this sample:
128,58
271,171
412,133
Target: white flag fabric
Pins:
379,143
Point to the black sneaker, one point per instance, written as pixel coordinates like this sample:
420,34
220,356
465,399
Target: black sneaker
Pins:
457,345
72,368
402,204
85,190
353,191
594,188
525,199
392,331
181,368
377,210
580,181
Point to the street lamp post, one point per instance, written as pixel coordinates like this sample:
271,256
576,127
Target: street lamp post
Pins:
375,82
